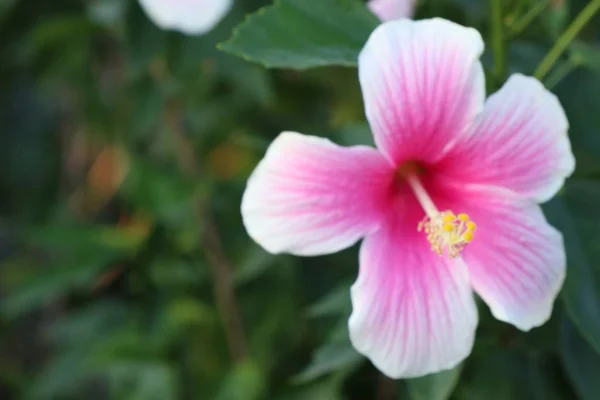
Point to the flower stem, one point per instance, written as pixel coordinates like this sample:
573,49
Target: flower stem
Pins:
566,38
522,23
499,41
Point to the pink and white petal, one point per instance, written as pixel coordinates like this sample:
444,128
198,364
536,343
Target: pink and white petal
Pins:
413,311
388,10
517,260
520,143
192,17
309,196
423,86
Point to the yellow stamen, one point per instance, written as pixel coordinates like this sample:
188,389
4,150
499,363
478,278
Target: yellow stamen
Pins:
448,237
472,226
449,218
447,233
468,236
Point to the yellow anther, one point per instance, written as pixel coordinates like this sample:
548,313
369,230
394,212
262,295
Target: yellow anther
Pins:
449,218
468,236
448,234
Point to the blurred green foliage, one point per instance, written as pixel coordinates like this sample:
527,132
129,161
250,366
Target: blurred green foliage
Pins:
126,272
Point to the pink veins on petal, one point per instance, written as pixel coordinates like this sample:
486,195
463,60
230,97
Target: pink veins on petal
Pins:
447,205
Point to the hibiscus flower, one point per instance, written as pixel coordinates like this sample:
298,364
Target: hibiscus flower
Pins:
447,204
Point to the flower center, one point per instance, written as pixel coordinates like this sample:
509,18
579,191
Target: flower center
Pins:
448,233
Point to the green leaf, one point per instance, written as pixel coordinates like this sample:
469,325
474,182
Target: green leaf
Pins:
145,42
255,262
337,355
52,282
61,377
578,95
557,17
508,373
142,380
435,386
580,292
88,325
586,55
6,6
327,389
356,134
581,198
245,382
581,362
334,303
163,194
303,34
85,239
107,12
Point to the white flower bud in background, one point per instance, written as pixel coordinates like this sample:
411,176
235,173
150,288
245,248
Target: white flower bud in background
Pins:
191,17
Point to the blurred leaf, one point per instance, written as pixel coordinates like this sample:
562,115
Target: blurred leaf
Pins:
586,55
335,356
503,373
525,56
61,31
557,17
177,275
580,292
6,6
581,362
163,194
356,134
142,380
580,196
324,389
73,336
250,80
476,9
88,239
256,262
578,96
89,323
435,386
52,282
303,34
188,312
131,343
106,12
145,42
61,377
245,382
30,152
336,302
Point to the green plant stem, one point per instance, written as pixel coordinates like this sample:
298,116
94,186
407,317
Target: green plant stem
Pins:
221,269
559,73
499,41
566,38
522,23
